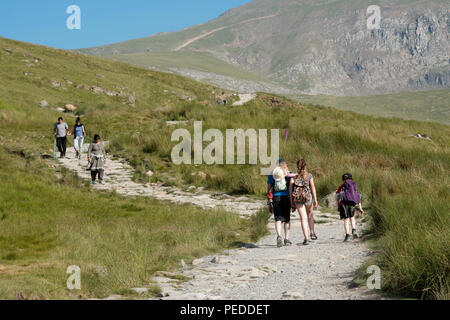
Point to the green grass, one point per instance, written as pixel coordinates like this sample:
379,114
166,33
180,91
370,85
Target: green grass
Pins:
404,180
430,105
50,221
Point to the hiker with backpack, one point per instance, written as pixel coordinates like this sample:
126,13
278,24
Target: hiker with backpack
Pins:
303,196
61,131
278,200
97,159
79,133
347,199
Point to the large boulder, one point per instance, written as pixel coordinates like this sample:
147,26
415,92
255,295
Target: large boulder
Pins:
70,108
330,201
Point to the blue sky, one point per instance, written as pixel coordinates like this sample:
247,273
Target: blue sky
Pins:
103,22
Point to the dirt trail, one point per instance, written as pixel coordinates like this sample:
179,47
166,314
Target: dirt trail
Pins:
322,270
204,35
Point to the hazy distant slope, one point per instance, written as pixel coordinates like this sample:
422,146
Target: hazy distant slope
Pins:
432,105
321,46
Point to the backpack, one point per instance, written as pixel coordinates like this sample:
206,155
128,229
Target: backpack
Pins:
351,195
301,191
280,180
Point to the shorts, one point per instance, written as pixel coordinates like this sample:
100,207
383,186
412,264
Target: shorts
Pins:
282,208
347,211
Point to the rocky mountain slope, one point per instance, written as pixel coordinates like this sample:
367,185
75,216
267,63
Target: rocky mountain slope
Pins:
310,46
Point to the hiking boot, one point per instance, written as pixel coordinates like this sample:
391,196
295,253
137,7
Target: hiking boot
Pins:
305,242
355,235
347,237
279,242
102,182
313,236
287,242
93,181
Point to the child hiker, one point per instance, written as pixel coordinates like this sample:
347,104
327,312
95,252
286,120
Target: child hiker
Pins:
347,198
278,200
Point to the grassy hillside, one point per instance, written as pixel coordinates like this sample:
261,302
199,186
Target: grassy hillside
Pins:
431,105
50,219
404,180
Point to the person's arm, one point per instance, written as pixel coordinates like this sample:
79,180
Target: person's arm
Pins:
68,131
89,152
270,197
103,153
361,211
291,187
84,132
55,130
313,189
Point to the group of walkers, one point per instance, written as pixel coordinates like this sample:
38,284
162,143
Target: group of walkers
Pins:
96,154
289,192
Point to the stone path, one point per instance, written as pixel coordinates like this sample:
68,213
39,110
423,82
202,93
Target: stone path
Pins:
118,177
322,270
244,98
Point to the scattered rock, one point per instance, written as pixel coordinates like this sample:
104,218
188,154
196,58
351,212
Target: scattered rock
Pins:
200,174
215,259
60,109
55,84
8,51
175,123
132,100
100,75
139,290
196,262
421,136
43,104
101,270
70,107
182,263
96,89
83,87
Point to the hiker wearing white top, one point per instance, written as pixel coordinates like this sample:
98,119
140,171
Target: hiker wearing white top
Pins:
79,133
97,159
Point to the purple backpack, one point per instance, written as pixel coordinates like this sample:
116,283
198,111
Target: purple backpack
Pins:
351,195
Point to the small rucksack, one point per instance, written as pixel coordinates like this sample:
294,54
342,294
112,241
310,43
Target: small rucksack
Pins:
301,191
351,195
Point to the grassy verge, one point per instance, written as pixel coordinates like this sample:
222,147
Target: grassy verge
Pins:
49,221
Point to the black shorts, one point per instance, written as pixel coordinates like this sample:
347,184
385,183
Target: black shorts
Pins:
347,211
282,208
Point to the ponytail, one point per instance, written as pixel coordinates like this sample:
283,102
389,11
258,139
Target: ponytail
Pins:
301,168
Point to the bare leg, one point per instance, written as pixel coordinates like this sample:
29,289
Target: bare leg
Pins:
347,231
309,210
287,228
353,222
304,219
278,228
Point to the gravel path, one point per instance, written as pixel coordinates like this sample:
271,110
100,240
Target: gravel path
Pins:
322,270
